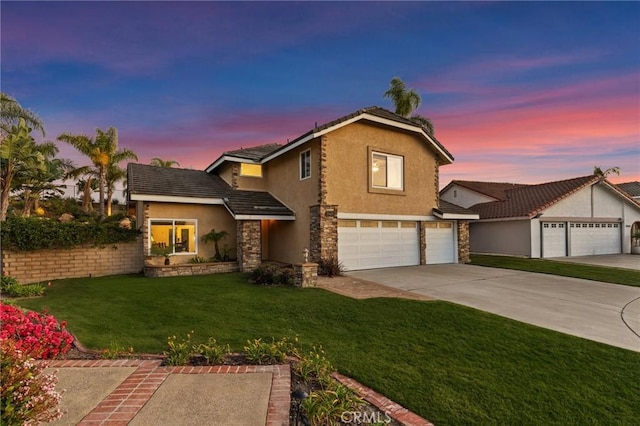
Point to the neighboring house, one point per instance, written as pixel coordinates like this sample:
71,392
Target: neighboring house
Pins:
581,216
362,189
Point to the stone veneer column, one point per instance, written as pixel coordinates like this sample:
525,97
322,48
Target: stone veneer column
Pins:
463,241
249,241
323,232
305,275
423,244
436,174
145,228
235,172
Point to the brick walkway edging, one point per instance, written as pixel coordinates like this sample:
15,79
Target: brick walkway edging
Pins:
128,398
384,404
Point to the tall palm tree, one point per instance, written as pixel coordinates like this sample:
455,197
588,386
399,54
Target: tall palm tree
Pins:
86,183
406,101
18,153
11,112
102,151
159,162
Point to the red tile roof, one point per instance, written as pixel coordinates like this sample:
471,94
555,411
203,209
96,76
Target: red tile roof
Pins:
527,200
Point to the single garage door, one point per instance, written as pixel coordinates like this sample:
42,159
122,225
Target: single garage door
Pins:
368,244
595,238
440,242
554,240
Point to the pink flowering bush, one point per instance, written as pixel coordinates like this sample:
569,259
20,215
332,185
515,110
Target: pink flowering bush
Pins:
27,395
38,335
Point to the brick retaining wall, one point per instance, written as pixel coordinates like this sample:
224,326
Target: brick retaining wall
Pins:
84,261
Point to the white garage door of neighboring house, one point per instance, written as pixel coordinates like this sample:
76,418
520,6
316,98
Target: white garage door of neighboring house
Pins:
440,242
595,238
368,244
554,240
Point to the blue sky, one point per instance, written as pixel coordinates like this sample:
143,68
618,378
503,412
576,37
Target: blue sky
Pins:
519,92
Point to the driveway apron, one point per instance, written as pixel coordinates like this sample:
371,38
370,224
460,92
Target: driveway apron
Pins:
607,313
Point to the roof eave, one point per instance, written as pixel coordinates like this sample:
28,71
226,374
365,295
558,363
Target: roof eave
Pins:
224,158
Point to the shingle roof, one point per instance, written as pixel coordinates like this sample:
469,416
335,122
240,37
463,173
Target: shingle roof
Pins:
255,153
255,203
529,200
631,188
143,180
168,181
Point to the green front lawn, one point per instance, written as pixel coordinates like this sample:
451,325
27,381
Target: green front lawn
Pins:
565,269
448,363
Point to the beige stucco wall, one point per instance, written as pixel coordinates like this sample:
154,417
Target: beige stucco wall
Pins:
348,171
208,217
287,239
225,171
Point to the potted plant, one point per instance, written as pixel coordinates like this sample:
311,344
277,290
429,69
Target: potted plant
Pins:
216,237
163,251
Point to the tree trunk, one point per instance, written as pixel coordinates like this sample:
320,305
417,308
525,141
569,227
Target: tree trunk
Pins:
109,201
26,211
6,191
103,178
86,196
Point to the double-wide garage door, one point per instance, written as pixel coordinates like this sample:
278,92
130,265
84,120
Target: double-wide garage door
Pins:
584,239
368,244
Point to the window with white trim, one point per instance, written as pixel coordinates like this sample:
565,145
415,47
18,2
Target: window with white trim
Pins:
305,164
387,171
173,236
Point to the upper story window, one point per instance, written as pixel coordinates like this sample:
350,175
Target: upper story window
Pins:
305,164
253,170
387,171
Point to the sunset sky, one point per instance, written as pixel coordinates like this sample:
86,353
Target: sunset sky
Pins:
518,92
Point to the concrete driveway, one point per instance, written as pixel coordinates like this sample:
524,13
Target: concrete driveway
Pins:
607,313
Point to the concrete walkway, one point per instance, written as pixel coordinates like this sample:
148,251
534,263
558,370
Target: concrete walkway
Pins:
141,392
607,313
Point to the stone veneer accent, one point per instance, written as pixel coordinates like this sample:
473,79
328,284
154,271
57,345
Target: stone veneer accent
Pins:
436,181
189,269
305,275
249,241
463,241
423,243
235,172
323,232
83,261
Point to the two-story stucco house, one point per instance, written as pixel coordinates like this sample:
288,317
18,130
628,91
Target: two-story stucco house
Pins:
362,189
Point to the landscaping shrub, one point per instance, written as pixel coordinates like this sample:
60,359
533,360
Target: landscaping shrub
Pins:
178,353
259,352
330,267
37,335
12,288
212,351
272,275
27,395
33,233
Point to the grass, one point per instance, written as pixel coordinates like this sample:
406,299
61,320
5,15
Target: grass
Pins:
565,269
448,363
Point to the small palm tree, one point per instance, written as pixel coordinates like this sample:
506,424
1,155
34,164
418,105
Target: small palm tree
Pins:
406,101
604,173
216,237
159,162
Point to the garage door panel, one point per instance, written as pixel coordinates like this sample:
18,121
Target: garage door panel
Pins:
439,237
377,244
595,238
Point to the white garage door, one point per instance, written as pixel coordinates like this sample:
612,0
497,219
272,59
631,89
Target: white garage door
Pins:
440,242
595,238
368,244
554,240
